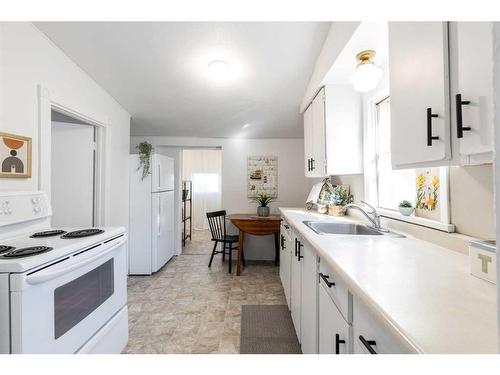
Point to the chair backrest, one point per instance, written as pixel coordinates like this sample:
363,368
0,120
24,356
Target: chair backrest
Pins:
217,224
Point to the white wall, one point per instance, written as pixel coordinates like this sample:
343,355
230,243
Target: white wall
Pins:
293,187
29,59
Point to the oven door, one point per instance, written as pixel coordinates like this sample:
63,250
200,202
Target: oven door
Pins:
58,308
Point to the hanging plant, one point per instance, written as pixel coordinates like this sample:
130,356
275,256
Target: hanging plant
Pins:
145,149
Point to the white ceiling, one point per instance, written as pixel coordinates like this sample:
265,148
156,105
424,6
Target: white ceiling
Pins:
157,71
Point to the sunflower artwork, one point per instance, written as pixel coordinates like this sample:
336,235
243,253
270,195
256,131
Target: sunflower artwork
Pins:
428,189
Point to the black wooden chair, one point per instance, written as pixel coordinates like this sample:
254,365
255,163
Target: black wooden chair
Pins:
217,224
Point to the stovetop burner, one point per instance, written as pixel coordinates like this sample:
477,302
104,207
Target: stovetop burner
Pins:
83,233
27,251
5,248
48,233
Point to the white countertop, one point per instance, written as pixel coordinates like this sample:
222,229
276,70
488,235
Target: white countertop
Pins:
422,290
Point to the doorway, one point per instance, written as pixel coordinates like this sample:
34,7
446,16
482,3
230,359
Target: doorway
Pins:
202,173
73,171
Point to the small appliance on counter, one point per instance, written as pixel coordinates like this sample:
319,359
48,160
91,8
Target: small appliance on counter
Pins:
483,260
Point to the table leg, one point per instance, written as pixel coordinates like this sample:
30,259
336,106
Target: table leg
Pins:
276,248
240,251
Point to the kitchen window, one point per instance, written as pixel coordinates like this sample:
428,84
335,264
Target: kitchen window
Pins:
385,187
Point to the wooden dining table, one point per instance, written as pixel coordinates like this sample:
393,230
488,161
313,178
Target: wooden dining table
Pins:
258,226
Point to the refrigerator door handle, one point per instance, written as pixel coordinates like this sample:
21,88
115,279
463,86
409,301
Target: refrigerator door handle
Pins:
159,176
159,215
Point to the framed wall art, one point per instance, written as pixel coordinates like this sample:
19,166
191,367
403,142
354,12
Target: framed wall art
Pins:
262,175
15,156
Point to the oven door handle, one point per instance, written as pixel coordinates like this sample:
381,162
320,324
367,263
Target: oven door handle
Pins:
42,277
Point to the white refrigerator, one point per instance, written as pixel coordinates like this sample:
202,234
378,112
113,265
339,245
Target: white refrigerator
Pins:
151,230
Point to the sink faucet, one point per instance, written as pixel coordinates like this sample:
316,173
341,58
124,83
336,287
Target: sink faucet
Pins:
373,216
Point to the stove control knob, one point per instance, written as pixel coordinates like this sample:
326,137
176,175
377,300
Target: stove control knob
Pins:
9,211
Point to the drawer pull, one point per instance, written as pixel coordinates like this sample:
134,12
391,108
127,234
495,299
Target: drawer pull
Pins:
430,137
299,257
368,344
325,278
338,341
460,126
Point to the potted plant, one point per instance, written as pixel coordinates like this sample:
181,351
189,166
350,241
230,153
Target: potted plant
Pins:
338,198
406,208
145,149
263,200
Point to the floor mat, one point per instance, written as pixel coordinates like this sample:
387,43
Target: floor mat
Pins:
267,329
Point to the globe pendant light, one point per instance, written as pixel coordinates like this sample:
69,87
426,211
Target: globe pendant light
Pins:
366,76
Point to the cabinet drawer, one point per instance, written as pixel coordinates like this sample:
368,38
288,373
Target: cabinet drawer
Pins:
334,332
370,333
336,289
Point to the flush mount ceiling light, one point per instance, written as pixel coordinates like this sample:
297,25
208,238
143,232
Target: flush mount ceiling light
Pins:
367,75
219,70
245,126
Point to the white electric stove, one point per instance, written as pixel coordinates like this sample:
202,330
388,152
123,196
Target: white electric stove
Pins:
62,290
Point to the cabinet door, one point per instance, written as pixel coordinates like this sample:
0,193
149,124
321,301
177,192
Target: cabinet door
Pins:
308,140
333,330
318,136
309,300
419,80
285,259
471,49
295,289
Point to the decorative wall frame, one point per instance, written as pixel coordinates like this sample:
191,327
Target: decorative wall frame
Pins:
262,176
15,156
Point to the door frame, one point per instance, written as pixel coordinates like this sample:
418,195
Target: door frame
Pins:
45,107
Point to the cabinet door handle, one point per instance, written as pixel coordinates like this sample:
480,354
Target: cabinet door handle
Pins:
299,257
325,278
430,137
460,126
338,341
312,164
368,344
282,242
286,226
296,243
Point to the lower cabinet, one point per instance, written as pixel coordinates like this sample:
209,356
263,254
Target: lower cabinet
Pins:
295,287
309,300
372,336
285,262
334,331
327,318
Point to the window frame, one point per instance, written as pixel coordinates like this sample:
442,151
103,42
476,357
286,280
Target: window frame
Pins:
370,137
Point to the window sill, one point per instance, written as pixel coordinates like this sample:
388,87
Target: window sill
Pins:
449,228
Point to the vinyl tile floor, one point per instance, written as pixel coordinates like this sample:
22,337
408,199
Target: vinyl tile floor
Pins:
189,308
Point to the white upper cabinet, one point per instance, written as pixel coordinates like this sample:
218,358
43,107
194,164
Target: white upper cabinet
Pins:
471,71
441,88
318,162
308,140
333,136
419,89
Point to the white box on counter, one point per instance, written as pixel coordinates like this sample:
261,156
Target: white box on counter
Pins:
483,260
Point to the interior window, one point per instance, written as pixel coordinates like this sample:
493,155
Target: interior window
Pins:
393,186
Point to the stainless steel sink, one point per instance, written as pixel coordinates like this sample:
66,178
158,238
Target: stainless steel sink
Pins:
325,227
